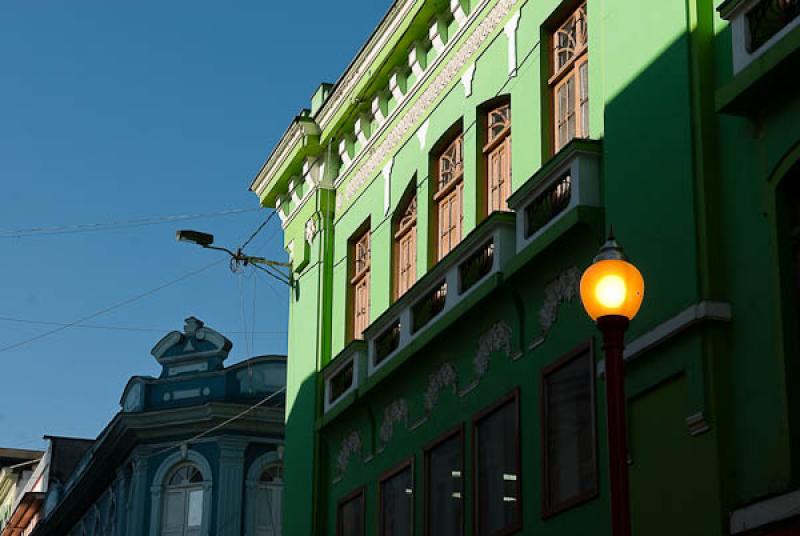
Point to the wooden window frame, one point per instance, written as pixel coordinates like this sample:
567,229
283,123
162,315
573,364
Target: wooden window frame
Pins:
569,71
400,229
452,191
360,494
513,396
458,431
550,510
356,277
492,143
408,463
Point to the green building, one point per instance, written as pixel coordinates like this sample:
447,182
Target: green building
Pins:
439,203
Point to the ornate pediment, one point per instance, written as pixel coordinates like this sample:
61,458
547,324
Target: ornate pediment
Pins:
197,349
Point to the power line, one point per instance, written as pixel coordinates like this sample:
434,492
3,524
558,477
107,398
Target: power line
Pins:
258,229
122,328
112,225
109,309
224,423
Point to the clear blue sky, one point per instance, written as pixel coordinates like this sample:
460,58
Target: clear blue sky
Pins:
121,110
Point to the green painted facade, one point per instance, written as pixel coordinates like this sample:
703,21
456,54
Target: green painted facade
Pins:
688,158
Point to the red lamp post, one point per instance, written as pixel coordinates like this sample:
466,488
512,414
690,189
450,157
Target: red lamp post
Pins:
612,290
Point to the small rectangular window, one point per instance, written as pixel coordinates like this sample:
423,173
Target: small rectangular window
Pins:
350,515
568,437
396,500
498,476
444,486
341,381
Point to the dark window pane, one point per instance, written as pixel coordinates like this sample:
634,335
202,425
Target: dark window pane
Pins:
498,475
569,433
396,502
351,517
444,495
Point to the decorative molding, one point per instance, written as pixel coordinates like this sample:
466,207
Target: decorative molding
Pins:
417,58
466,79
387,186
700,312
441,378
510,29
362,63
310,229
764,512
563,289
350,445
422,134
497,338
430,94
458,12
396,412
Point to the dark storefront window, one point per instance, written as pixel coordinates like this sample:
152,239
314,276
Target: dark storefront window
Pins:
497,469
350,515
396,503
444,483
570,460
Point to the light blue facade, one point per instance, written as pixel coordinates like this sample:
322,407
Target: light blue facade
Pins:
198,415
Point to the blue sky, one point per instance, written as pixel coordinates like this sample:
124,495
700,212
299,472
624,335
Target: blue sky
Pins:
120,110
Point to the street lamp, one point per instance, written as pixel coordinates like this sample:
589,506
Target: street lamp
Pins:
238,257
612,290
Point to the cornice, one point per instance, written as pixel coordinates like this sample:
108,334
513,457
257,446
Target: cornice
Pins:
287,146
414,109
363,61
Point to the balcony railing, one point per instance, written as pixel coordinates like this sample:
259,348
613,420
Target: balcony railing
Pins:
569,180
482,253
342,375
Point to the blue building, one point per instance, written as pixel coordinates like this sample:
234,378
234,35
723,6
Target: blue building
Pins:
197,451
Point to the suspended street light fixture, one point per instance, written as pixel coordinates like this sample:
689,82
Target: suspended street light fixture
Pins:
238,257
612,290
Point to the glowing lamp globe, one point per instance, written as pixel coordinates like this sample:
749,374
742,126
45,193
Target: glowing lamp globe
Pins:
611,286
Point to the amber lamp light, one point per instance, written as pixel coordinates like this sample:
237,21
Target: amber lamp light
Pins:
612,290
611,285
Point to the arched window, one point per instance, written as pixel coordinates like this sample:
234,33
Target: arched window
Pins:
269,501
182,513
449,196
405,247
497,155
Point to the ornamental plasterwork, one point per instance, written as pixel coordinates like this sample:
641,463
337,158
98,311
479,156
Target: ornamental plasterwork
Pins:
441,378
350,445
421,107
397,411
497,338
311,229
563,289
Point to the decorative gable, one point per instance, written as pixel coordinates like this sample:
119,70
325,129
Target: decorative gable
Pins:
197,349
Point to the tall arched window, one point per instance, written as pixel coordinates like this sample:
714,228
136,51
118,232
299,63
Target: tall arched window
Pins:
182,513
405,247
269,501
497,154
449,196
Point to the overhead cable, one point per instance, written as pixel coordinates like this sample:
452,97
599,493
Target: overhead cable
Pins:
114,307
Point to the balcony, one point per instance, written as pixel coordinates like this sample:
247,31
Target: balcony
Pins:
765,48
422,310
570,180
565,191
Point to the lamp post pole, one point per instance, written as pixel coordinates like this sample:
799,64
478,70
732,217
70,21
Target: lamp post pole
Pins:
613,328
612,290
